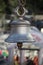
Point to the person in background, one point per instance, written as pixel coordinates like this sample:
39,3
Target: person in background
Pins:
16,60
30,62
36,60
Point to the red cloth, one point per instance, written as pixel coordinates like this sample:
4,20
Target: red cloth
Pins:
36,60
0,52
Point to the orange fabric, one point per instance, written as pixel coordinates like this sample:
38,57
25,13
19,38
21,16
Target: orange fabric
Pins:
16,58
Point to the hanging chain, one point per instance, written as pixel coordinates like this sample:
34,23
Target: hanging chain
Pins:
21,9
22,2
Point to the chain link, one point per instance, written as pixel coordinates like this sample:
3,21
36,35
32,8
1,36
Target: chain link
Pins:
21,9
22,2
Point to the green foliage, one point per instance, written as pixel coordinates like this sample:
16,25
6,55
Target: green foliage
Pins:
34,5
14,3
2,6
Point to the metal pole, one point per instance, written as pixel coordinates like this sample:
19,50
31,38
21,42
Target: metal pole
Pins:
19,44
20,57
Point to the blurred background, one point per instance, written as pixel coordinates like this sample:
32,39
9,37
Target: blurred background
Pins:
34,8
34,15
